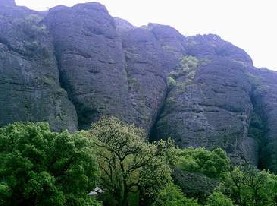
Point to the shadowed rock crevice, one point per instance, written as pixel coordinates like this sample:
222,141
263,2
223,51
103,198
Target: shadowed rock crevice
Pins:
258,131
153,134
265,101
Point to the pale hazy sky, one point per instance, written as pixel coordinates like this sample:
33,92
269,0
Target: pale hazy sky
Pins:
249,24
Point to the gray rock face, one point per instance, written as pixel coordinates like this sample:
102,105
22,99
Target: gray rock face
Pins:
104,72
29,80
208,106
122,25
91,61
150,53
146,82
208,102
264,127
212,45
172,42
7,3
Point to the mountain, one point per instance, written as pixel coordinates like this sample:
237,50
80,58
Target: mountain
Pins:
70,66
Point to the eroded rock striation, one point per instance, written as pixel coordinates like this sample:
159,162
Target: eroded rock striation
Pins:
29,80
208,101
90,60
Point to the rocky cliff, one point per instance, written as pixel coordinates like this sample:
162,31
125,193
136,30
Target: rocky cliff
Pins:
29,80
70,66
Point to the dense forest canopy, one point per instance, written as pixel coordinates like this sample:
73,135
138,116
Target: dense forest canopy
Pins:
113,164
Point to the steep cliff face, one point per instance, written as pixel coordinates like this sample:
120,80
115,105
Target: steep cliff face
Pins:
105,68
29,80
144,68
151,52
201,90
264,120
91,61
7,3
212,45
208,101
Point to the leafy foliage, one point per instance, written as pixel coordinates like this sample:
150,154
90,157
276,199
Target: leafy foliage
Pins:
211,163
219,199
129,164
189,63
187,66
172,195
248,186
171,82
40,167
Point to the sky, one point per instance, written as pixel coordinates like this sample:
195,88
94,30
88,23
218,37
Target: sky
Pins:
248,24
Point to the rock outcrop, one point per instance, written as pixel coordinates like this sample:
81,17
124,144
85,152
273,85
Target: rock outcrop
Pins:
7,3
208,102
122,25
29,80
91,61
70,66
144,68
151,52
263,127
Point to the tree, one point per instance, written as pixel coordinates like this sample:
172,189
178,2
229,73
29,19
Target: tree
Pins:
219,199
40,167
210,163
130,166
171,195
249,186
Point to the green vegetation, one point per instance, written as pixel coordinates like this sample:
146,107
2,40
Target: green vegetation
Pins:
189,63
171,195
187,66
130,166
219,199
116,165
33,21
210,163
250,187
187,69
171,82
40,167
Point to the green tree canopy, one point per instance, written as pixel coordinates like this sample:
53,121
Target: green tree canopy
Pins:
249,186
219,199
130,166
171,195
211,163
40,167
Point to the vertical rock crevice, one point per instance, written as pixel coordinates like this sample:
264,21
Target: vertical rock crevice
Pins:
264,118
258,129
153,134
